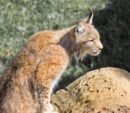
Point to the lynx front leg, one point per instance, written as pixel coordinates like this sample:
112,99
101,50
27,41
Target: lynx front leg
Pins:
50,109
47,71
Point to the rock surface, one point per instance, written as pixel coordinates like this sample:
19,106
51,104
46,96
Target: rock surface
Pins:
105,90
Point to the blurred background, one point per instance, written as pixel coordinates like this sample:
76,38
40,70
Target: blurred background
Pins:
19,19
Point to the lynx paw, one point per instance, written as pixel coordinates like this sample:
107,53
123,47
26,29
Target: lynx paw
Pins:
50,109
50,112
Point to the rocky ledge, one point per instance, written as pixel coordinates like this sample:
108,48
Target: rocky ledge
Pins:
105,90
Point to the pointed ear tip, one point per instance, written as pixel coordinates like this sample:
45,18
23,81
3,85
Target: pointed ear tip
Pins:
90,18
90,10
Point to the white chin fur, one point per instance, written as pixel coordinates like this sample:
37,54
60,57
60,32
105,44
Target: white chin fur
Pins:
80,57
95,54
76,57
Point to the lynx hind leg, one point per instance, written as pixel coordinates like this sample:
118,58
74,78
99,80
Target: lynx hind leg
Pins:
50,109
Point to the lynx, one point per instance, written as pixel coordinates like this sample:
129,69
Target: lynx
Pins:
27,83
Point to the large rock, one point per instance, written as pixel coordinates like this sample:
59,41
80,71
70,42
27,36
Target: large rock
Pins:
105,90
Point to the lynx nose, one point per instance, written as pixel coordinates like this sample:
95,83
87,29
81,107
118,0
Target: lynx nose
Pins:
100,46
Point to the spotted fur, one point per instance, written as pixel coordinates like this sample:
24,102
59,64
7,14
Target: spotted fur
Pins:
25,84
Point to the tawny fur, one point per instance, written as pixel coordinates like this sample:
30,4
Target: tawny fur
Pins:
25,84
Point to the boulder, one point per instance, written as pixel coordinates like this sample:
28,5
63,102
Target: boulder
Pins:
105,90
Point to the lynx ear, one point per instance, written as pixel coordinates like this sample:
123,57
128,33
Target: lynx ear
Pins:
79,30
89,18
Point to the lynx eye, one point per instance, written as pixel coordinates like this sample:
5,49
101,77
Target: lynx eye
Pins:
88,41
91,40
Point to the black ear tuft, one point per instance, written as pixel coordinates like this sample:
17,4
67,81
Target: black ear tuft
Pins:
89,18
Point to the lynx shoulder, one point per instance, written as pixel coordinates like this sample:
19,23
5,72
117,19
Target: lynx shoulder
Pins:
27,82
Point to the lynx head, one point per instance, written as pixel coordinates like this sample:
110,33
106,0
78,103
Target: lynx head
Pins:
87,39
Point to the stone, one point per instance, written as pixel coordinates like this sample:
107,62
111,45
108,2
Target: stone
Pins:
105,90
